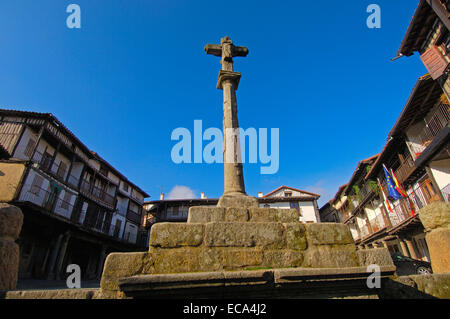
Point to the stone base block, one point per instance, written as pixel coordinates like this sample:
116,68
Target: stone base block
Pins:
206,214
438,241
9,264
328,256
377,256
241,201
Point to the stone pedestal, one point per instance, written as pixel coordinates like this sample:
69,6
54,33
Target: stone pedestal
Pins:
11,219
436,220
218,241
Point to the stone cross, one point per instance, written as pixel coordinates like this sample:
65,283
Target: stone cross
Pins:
234,188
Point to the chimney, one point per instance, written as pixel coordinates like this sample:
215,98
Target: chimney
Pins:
202,196
260,194
161,196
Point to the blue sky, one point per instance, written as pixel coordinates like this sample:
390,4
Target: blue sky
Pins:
136,70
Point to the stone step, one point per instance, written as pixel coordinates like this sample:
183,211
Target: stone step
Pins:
206,214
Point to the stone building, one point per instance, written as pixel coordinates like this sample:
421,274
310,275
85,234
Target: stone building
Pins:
417,151
77,207
286,197
176,210
428,35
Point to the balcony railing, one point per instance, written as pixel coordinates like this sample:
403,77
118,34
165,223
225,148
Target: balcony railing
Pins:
49,200
377,223
439,120
89,189
100,225
405,168
56,170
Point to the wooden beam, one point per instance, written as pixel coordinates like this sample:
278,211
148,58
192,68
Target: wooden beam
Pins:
440,11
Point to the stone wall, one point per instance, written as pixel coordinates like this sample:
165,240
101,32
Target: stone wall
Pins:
219,239
436,220
11,219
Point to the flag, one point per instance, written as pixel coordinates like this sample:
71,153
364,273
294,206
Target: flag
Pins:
398,186
393,193
386,201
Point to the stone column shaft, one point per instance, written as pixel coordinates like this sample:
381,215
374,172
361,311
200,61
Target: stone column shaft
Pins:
233,170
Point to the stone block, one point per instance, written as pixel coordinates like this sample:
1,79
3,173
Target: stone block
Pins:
241,258
377,256
11,219
119,265
9,264
242,201
282,258
330,256
438,241
169,235
288,215
234,214
183,260
435,215
263,215
244,234
206,214
295,236
328,234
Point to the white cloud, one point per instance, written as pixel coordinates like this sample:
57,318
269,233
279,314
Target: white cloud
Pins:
181,192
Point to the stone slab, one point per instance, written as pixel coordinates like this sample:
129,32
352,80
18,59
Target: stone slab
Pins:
206,214
435,215
242,234
11,219
329,256
169,235
328,234
438,242
378,256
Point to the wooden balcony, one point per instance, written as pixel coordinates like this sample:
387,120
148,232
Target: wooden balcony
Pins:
96,193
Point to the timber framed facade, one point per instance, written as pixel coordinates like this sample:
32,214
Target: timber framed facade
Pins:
417,151
77,207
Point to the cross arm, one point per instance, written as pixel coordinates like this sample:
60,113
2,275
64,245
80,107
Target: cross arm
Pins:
214,49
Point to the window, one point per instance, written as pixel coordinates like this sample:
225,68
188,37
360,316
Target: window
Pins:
36,185
46,161
125,187
61,170
294,205
30,147
287,194
175,211
66,201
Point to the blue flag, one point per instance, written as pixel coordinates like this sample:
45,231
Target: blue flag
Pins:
392,191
